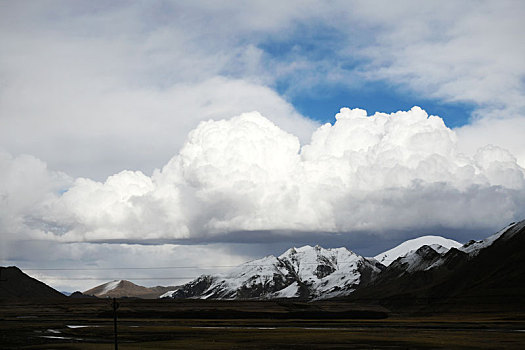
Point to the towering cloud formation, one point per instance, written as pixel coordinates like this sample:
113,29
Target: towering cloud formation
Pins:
385,171
26,183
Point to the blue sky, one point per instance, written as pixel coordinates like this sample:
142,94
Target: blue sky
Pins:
323,46
374,97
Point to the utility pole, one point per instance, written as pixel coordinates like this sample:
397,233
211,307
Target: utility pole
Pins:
2,280
115,307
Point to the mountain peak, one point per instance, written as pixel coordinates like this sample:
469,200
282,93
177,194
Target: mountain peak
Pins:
17,284
486,274
125,288
403,249
473,247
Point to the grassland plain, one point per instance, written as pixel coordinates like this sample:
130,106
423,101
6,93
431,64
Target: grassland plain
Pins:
285,324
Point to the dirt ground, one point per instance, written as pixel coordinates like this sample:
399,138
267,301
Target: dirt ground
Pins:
161,324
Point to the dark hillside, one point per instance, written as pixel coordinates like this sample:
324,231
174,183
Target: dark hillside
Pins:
16,284
492,280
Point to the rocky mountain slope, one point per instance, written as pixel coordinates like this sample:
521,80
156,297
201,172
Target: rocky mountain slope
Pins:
123,288
306,272
16,284
490,273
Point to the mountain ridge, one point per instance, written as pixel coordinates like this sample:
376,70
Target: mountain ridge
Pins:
428,271
489,274
309,273
15,284
124,288
387,257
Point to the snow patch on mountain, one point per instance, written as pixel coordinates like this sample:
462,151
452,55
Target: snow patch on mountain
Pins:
474,247
421,259
168,294
291,291
110,286
123,288
440,244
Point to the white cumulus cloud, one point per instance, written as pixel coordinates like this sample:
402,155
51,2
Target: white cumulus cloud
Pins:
25,184
379,172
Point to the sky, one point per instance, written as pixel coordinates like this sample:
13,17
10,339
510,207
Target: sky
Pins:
158,140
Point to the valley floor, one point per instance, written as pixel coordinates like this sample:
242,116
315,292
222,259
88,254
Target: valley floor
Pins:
159,324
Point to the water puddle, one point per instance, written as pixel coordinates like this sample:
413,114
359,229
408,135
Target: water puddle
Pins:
61,338
54,331
284,327
237,327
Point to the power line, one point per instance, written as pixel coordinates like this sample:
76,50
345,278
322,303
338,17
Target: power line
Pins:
113,278
128,268
150,278
162,267
157,268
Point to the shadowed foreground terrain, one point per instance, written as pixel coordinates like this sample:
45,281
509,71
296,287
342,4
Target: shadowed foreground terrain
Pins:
197,324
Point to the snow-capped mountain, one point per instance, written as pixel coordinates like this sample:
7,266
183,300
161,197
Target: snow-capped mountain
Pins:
427,257
305,272
430,256
439,244
486,273
429,252
318,273
474,247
